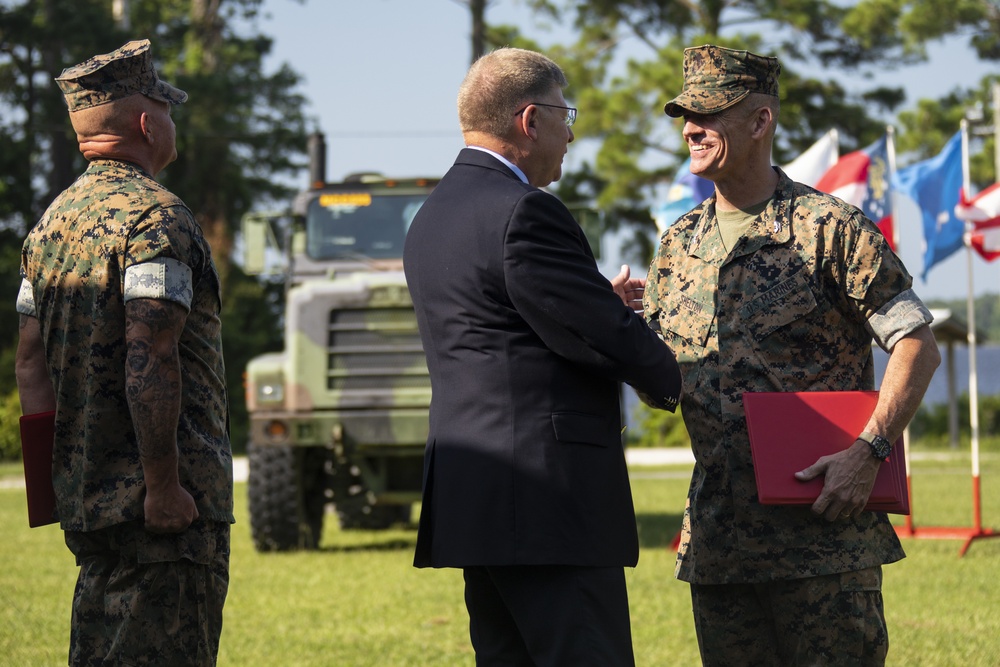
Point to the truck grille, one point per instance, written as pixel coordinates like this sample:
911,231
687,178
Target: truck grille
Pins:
375,349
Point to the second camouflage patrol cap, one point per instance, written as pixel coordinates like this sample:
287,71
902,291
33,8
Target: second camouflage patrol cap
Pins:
716,78
114,76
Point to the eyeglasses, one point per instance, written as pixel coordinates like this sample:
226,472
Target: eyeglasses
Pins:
570,111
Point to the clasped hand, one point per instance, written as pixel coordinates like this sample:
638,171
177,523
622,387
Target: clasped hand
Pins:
629,290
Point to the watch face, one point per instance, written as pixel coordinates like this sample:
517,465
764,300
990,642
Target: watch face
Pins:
881,447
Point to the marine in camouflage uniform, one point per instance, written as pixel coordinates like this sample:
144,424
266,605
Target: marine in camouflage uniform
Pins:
115,236
790,304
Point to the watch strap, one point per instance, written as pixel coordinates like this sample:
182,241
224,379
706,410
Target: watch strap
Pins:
881,447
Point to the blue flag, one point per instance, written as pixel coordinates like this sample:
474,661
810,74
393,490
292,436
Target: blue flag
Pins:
686,192
935,185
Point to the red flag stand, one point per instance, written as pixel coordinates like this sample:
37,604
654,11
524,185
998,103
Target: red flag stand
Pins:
969,535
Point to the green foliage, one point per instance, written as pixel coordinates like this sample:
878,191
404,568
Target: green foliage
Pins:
38,40
658,428
930,424
10,432
10,281
929,126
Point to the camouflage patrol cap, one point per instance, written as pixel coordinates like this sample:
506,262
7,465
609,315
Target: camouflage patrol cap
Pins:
114,76
716,78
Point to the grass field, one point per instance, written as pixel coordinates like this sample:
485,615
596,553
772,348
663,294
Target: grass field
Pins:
358,602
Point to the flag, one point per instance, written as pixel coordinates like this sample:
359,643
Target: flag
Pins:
819,158
982,207
934,185
686,192
861,179
985,239
983,211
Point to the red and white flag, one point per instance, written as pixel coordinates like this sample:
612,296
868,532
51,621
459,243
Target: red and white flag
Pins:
818,159
861,178
983,211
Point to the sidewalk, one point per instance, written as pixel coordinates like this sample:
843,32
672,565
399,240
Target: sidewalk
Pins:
654,456
635,456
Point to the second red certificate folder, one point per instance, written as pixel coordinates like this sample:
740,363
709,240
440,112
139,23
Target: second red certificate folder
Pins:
37,432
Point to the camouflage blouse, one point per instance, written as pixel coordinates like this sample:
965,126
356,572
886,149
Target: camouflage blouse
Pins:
793,307
117,234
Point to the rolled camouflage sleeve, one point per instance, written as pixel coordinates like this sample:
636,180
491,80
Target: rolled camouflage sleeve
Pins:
901,316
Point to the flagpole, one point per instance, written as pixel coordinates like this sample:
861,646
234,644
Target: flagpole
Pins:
977,524
890,149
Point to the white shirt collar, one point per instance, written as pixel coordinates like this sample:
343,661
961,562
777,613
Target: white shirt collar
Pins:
513,167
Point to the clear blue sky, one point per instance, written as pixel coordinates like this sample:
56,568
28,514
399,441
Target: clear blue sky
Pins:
382,76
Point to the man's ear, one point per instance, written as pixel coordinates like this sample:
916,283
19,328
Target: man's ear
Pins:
762,120
528,124
144,127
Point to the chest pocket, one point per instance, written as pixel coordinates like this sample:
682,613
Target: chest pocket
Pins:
686,326
778,308
688,319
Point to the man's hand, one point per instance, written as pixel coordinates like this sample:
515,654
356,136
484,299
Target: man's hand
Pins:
848,480
629,290
169,510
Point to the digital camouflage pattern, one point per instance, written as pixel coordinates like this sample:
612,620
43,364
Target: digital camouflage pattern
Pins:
115,222
836,619
716,78
171,611
790,308
113,76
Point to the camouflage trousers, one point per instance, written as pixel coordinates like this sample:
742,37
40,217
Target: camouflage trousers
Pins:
150,600
829,620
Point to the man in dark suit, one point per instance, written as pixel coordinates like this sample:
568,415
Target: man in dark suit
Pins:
525,483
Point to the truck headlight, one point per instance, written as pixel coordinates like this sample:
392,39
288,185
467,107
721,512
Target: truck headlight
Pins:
269,392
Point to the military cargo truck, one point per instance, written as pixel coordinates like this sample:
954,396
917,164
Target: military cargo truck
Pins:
340,415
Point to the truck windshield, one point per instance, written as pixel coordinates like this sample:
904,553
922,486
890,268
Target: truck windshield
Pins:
342,225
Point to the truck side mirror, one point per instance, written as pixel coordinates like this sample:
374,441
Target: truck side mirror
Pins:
257,237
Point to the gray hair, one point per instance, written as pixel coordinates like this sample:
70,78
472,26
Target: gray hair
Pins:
499,83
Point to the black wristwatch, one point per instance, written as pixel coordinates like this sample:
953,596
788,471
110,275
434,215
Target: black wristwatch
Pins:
881,447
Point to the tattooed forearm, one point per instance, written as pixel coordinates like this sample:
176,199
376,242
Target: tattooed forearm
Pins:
153,373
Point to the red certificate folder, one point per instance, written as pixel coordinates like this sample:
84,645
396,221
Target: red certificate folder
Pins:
790,430
37,434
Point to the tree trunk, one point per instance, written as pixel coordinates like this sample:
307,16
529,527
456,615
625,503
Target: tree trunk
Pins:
60,175
205,40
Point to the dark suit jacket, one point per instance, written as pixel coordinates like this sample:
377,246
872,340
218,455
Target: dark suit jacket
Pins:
526,343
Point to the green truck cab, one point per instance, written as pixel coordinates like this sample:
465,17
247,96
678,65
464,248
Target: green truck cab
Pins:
340,416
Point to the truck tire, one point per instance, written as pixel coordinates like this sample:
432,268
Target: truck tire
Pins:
287,496
355,505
